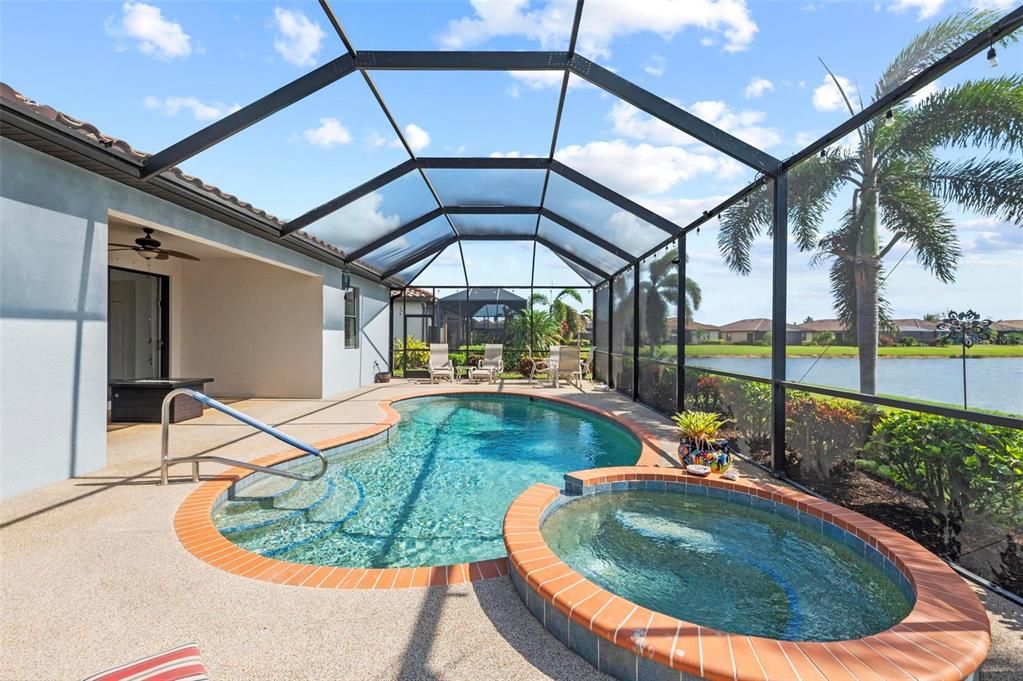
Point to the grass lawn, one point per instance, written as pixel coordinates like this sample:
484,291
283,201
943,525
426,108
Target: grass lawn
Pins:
850,351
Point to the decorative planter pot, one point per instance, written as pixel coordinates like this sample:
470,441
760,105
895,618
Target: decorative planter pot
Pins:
383,377
717,457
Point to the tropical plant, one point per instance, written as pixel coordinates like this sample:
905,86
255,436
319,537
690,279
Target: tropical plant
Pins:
564,314
901,188
412,354
954,465
534,327
659,291
824,433
698,427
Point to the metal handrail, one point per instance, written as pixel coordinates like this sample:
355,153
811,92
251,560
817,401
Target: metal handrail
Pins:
166,461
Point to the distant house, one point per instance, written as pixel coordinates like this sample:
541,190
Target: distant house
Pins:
1008,326
695,331
808,330
924,331
415,308
754,330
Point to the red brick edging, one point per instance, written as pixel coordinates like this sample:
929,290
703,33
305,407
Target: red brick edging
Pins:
945,637
193,521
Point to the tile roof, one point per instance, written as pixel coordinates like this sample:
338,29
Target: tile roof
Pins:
122,148
823,325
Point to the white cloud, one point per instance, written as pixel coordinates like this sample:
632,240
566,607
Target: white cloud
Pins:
924,8
656,65
511,154
299,39
201,111
416,137
628,121
989,235
826,97
639,169
329,133
604,21
375,139
152,32
347,228
925,92
539,80
1002,5
757,87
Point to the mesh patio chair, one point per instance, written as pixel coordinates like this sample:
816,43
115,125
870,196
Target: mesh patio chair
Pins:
492,362
545,366
567,365
440,366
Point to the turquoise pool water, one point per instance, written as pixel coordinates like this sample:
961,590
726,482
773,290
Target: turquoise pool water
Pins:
719,564
436,494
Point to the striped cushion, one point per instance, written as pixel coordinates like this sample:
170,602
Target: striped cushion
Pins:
180,664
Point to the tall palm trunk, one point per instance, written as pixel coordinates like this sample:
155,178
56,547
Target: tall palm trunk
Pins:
867,266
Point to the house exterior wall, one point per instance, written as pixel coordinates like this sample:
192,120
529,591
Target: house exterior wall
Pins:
53,315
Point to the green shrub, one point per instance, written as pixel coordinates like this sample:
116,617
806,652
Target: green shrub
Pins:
958,468
823,338
825,433
909,342
416,357
750,406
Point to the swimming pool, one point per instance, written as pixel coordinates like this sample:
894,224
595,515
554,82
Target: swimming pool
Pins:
720,564
433,493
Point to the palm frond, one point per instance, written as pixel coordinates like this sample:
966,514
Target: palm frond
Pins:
693,293
812,187
989,187
741,225
977,113
932,44
913,214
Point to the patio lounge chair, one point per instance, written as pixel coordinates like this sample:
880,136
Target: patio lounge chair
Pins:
492,362
567,365
584,367
545,366
440,366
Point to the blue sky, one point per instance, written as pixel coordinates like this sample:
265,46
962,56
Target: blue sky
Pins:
152,72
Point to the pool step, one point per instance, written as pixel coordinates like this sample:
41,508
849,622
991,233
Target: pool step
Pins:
276,530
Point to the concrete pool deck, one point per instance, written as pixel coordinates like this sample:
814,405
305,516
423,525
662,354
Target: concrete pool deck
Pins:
93,575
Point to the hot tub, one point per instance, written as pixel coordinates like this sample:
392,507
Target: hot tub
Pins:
650,573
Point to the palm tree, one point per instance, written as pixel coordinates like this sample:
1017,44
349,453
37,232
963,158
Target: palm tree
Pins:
566,315
660,291
534,327
899,184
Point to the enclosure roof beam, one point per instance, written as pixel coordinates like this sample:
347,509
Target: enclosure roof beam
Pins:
218,131
349,196
588,235
492,210
395,234
483,162
464,60
566,254
614,197
675,116
421,255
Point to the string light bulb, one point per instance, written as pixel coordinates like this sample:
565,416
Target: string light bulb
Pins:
823,158
889,119
745,200
992,57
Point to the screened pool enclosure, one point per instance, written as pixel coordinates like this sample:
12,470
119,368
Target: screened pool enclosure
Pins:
476,248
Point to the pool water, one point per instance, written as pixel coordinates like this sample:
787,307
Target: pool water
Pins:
435,494
719,564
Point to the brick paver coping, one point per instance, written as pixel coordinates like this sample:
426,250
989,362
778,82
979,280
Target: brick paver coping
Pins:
945,637
197,533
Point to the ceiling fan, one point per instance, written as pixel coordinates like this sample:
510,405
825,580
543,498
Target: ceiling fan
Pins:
149,248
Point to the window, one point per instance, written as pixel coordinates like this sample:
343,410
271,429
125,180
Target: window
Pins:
352,318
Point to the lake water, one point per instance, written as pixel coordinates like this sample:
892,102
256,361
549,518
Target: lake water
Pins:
993,383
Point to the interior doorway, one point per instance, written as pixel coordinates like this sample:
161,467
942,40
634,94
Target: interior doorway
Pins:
138,333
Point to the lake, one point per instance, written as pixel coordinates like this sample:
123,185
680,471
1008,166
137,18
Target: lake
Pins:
993,383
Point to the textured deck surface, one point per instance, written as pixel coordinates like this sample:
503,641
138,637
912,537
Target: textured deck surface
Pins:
93,575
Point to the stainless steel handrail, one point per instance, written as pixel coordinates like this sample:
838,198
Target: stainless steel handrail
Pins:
166,461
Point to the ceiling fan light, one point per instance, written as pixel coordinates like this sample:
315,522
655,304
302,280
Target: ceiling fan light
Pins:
148,255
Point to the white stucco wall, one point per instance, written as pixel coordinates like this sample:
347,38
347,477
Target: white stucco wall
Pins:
53,300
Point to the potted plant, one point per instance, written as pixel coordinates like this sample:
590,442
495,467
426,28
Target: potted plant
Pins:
698,443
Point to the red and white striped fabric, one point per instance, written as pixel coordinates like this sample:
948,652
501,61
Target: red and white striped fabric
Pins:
179,664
